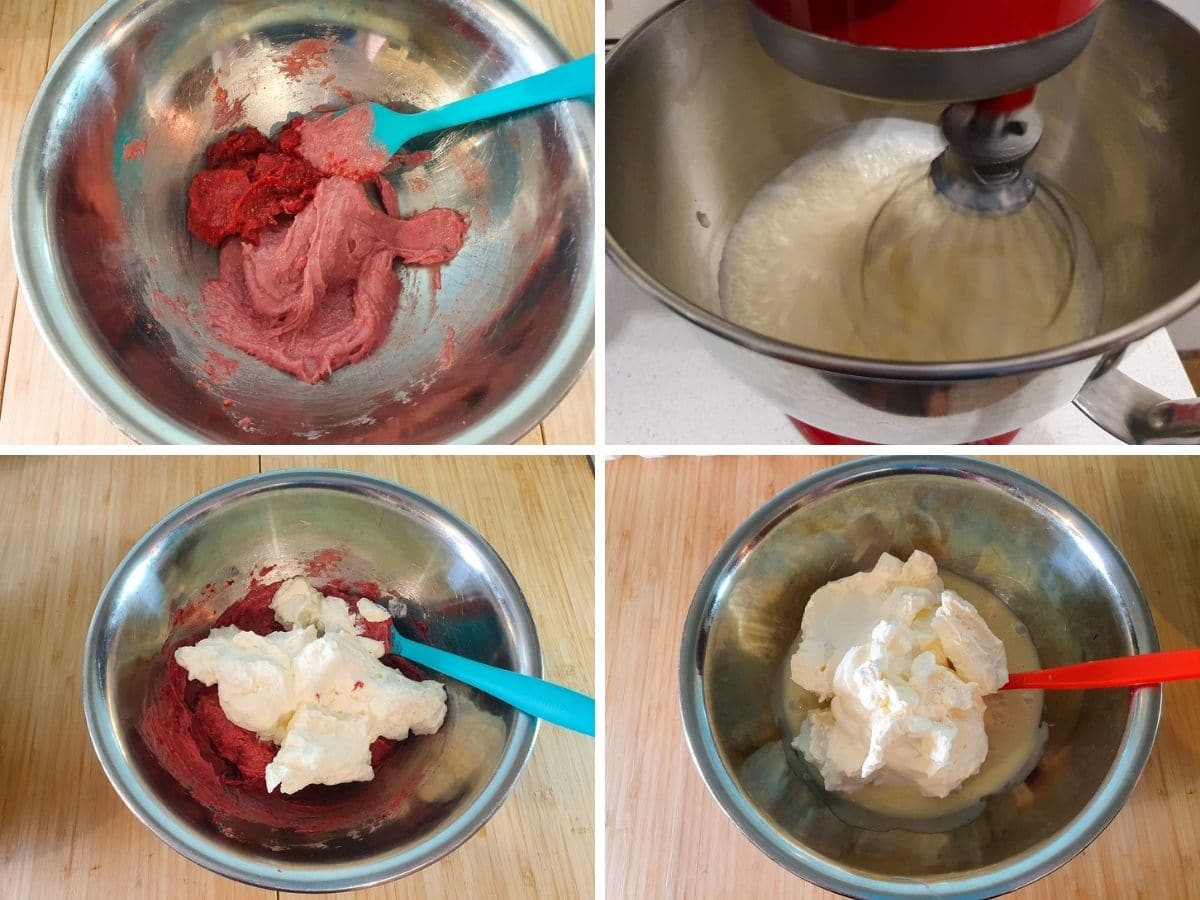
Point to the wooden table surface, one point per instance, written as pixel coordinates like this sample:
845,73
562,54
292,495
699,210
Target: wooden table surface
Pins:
666,519
38,402
68,521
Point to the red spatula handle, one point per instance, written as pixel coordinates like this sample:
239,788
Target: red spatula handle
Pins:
1125,671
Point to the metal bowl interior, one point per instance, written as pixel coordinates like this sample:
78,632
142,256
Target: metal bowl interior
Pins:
1039,554
699,118
454,780
113,277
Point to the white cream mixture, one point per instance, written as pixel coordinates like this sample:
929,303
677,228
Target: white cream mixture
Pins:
318,689
792,266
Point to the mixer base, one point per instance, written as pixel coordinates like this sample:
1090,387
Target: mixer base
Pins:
815,435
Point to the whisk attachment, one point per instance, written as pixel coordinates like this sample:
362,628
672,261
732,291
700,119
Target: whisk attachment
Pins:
973,255
982,168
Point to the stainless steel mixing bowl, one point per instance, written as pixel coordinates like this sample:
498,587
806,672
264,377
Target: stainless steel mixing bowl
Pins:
454,582
113,277
699,118
1026,544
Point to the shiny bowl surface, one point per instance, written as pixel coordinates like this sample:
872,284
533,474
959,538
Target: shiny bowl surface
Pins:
1038,553
113,278
699,118
454,583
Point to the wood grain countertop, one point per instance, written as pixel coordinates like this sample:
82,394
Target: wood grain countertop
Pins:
38,402
67,523
666,520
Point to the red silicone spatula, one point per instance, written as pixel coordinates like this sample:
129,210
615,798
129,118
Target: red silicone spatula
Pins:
1124,671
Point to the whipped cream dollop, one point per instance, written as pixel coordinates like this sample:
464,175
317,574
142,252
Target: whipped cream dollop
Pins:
904,665
318,690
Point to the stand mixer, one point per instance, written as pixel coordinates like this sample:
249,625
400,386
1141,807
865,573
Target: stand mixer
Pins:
709,135
964,236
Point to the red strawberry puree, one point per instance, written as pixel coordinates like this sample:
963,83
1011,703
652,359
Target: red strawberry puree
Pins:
340,144
222,766
316,292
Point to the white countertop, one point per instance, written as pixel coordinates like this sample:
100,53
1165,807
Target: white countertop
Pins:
663,387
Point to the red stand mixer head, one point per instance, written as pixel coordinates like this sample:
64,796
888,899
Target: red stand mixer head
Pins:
978,221
943,50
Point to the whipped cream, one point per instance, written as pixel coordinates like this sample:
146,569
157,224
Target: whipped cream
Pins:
251,673
905,665
298,603
318,689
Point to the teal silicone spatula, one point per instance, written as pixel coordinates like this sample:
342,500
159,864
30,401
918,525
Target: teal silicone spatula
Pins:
570,81
335,144
552,702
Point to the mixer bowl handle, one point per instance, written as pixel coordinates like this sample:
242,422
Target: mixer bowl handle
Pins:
1132,412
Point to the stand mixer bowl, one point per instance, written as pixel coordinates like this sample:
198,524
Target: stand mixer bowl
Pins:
700,117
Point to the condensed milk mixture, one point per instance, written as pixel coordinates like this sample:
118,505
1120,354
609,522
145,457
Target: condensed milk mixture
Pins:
792,267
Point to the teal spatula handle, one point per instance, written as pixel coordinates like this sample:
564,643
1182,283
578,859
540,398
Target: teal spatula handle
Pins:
548,701
570,81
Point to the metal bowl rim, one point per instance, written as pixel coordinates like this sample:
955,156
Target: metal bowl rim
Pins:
308,877
108,392
1132,754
